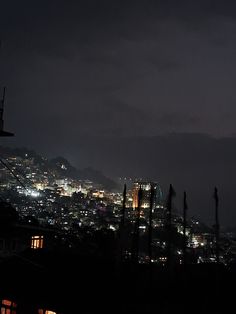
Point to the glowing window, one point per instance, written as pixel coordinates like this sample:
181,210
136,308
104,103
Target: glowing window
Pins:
45,312
37,242
8,307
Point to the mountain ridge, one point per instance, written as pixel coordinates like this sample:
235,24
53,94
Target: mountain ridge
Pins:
61,165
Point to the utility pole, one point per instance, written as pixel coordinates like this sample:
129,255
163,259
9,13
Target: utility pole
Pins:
185,207
122,224
217,225
123,206
2,132
136,229
169,225
152,195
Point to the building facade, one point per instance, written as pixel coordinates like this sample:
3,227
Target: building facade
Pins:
146,194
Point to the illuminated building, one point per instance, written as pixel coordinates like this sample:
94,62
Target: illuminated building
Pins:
36,242
8,307
198,240
98,194
146,194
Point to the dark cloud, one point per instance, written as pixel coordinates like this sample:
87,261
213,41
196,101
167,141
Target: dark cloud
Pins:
103,82
54,27
175,119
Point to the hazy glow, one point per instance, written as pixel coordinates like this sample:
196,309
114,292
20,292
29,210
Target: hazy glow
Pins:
6,302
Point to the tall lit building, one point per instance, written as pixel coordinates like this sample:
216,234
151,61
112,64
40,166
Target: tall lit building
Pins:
146,194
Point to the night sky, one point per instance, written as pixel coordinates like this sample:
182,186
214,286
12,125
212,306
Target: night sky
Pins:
131,88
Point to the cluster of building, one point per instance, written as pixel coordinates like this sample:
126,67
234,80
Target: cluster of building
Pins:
46,193
37,189
58,227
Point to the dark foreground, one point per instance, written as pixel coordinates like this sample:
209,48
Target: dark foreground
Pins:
67,283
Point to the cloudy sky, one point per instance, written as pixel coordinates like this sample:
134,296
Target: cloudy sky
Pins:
132,88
